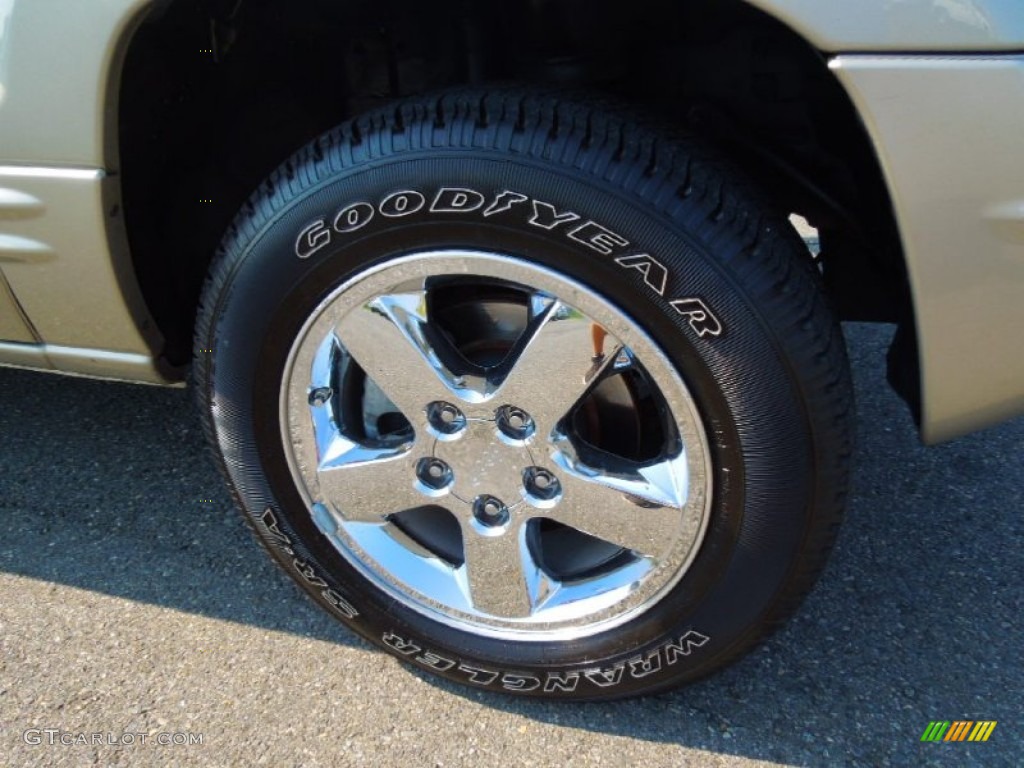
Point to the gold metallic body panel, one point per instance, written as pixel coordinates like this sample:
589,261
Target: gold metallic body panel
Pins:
63,249
62,257
947,130
87,363
950,135
903,25
13,323
55,89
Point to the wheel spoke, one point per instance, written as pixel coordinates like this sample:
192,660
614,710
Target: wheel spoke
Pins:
638,508
395,344
499,573
464,512
367,485
559,356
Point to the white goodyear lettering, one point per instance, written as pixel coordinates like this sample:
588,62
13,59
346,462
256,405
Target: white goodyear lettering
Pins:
307,572
642,667
305,569
504,202
596,237
354,217
546,217
457,200
511,682
699,315
399,204
636,668
540,214
432,660
340,604
684,646
400,645
313,238
605,678
655,274
479,676
561,681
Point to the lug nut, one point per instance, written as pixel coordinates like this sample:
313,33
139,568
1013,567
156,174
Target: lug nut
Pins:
514,423
445,419
320,396
541,487
434,476
490,511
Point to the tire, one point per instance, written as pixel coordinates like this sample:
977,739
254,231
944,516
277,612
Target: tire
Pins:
529,394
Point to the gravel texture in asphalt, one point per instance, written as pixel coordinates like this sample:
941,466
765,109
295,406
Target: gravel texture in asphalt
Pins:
133,602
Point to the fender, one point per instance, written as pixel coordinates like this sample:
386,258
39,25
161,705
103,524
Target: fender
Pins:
841,26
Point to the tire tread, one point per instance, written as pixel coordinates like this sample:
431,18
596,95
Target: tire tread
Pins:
674,174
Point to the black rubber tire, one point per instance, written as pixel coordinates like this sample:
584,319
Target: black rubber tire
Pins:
766,363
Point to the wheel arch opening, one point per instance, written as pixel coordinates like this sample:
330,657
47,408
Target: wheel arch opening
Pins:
215,94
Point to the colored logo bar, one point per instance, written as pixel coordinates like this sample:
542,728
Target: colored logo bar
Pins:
958,730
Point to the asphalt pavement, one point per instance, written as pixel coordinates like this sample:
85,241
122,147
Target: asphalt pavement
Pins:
135,608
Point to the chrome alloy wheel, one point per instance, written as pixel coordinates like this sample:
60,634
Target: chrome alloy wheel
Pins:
495,446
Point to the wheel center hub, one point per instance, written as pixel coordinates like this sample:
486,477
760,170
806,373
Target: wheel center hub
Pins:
485,466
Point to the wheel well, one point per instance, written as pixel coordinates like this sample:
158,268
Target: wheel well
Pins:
216,93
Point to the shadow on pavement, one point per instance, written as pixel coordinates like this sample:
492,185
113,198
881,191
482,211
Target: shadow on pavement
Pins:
917,618
111,488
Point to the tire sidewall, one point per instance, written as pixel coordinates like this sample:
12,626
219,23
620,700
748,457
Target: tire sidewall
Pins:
746,394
